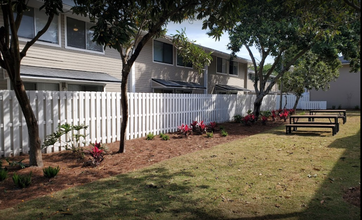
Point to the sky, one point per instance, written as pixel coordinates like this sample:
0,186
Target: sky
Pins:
194,32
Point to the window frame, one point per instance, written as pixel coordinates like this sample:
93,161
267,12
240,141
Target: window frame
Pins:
39,41
161,62
228,64
76,48
184,66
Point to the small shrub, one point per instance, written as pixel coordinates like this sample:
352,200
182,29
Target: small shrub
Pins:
185,129
212,126
150,136
3,174
100,146
238,118
210,135
224,133
51,172
22,181
222,127
16,163
73,141
165,137
97,155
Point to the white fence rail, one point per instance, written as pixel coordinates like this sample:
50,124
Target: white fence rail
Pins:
101,112
313,105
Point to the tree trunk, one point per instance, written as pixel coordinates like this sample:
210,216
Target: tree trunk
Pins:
124,104
35,155
296,103
257,105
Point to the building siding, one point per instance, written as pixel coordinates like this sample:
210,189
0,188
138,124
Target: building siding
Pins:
344,92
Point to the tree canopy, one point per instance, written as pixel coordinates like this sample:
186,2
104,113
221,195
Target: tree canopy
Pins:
277,27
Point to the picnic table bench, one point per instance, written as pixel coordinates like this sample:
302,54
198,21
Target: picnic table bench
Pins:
311,123
341,113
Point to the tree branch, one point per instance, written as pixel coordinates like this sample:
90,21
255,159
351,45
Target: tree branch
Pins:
37,36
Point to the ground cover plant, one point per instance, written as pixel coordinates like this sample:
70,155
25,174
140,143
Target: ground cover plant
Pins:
269,175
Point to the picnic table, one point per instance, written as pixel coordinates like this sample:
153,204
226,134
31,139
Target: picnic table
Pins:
341,113
294,122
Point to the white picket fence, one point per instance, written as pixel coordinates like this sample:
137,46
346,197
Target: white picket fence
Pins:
290,99
101,112
313,105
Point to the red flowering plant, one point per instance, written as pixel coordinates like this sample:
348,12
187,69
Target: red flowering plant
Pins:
264,116
202,126
194,125
185,129
97,154
273,115
246,120
284,115
291,111
212,126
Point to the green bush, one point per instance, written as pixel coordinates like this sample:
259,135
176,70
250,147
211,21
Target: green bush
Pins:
209,135
150,136
3,174
73,140
16,163
165,137
224,133
238,118
22,181
51,172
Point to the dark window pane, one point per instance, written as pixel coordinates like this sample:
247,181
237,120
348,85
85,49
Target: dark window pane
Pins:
167,53
26,28
76,33
162,52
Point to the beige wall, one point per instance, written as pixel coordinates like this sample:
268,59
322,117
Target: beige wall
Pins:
346,91
146,69
225,79
58,56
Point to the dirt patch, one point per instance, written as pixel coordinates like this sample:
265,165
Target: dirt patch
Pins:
353,196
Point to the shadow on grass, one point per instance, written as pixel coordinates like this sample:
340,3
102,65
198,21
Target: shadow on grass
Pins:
129,196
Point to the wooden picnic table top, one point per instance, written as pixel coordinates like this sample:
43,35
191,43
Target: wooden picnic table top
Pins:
339,111
313,117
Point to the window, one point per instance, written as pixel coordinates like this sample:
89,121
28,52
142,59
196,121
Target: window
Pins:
41,86
221,65
33,21
233,69
162,52
225,66
181,63
80,36
88,88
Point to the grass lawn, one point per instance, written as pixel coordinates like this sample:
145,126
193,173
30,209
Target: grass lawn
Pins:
270,175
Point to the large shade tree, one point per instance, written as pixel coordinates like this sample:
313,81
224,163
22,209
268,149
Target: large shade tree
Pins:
276,27
128,25
12,55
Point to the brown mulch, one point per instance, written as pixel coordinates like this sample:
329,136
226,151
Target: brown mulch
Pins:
139,153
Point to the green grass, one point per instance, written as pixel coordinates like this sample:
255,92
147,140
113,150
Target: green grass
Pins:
266,176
